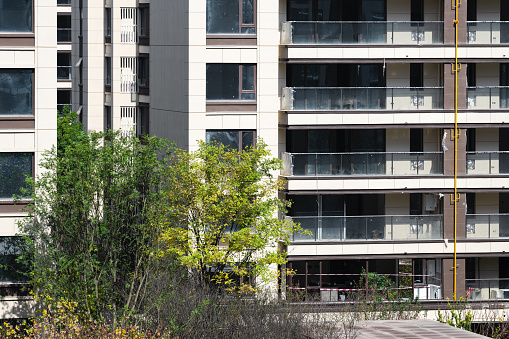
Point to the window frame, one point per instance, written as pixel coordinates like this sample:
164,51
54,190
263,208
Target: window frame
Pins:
237,38
29,34
10,200
247,105
22,116
240,131
64,28
144,18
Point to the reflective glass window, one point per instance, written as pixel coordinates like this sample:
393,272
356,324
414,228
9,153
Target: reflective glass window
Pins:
231,16
231,82
16,92
16,16
14,167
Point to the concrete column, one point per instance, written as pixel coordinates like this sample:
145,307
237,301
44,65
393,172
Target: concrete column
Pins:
449,17
449,218
448,278
449,154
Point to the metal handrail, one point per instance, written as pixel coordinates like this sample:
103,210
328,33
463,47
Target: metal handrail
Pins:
366,216
365,22
487,22
487,152
364,153
474,87
381,87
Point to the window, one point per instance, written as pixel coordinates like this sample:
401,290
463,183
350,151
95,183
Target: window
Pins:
16,16
231,16
144,13
108,121
16,91
63,28
417,10
232,138
143,70
107,22
64,66
12,271
63,99
14,167
128,76
128,25
142,121
107,71
231,82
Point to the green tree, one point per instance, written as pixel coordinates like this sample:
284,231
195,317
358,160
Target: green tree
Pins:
91,225
222,212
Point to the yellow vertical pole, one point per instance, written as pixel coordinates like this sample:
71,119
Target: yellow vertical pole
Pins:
455,135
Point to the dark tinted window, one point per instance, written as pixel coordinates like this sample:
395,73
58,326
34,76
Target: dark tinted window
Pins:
231,17
16,16
14,167
231,82
15,92
232,138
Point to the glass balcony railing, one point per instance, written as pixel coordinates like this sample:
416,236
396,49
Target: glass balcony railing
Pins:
384,227
488,32
64,72
362,32
481,163
376,163
361,98
488,97
487,226
487,289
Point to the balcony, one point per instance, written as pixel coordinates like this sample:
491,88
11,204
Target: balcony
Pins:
488,97
385,227
361,98
353,164
487,289
485,163
487,226
362,33
488,32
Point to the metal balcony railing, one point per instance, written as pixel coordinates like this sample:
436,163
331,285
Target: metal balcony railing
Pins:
487,226
362,32
361,98
380,227
482,163
487,97
487,289
488,32
352,164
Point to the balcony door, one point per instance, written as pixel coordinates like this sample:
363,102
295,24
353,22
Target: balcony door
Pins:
503,146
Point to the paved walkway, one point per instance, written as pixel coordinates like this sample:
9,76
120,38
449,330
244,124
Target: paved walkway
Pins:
411,329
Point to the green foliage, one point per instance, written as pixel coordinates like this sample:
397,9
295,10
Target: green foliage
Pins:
221,212
91,225
458,315
379,299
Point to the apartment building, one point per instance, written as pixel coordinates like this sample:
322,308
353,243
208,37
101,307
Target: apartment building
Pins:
356,97
28,103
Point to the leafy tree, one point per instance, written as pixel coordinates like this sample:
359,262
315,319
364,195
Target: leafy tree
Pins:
222,212
91,228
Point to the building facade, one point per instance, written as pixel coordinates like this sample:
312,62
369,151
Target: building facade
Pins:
28,104
356,97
